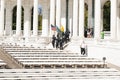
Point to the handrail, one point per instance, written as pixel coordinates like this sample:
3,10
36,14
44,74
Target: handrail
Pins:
9,56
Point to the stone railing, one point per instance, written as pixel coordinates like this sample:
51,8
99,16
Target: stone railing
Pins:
22,32
11,62
107,33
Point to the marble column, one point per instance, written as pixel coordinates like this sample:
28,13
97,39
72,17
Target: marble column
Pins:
27,20
52,15
89,14
75,18
58,13
81,18
2,18
18,22
118,24
35,18
97,19
8,27
63,14
45,20
113,24
70,17
101,19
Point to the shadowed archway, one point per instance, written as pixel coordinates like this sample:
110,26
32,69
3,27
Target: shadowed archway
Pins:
14,18
106,16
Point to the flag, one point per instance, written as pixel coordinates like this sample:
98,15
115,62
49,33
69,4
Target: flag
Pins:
58,30
62,29
39,9
53,28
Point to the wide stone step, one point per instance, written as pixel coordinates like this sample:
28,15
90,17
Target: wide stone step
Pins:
58,74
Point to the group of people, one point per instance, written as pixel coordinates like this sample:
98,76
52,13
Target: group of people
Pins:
59,40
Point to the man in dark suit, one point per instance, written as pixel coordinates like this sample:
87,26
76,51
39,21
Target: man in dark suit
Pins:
53,41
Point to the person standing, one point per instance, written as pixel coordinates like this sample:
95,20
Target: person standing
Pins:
85,33
88,33
53,41
102,34
83,47
57,40
61,44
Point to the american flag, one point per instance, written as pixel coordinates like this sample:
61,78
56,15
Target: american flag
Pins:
53,28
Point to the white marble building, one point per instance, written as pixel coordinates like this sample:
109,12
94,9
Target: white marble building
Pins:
69,13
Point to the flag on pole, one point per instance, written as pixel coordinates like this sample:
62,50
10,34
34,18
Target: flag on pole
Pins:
53,28
58,30
40,9
62,29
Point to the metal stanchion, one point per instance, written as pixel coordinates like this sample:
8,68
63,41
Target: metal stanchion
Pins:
104,59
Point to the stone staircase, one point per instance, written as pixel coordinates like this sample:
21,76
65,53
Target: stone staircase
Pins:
32,57
50,64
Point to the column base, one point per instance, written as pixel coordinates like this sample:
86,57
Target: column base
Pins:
77,38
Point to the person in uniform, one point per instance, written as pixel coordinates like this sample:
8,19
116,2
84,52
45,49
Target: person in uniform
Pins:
53,41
